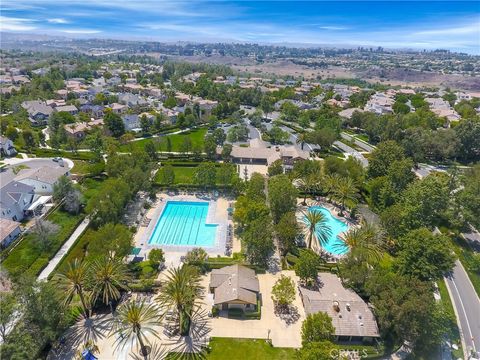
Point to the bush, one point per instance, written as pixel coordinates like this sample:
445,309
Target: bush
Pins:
235,313
215,311
147,271
144,285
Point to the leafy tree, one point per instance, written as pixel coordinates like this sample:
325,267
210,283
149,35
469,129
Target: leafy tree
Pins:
468,133
322,350
108,276
29,139
186,145
256,187
282,196
266,105
145,124
306,267
181,290
424,255
323,138
226,152
170,102
73,282
8,305
226,174
111,239
277,136
167,175
136,321
287,231
283,291
219,136
258,241
275,168
210,147
43,232
317,327
156,256
114,124
469,196
197,257
247,210
205,174
151,150
383,156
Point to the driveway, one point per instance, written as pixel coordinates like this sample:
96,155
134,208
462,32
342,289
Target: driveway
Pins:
270,325
8,175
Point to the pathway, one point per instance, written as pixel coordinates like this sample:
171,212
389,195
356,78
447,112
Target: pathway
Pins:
63,250
351,152
467,307
364,145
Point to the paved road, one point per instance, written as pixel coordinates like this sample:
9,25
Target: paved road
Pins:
8,175
352,152
467,306
63,250
357,142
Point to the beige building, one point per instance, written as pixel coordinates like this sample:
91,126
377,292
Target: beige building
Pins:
351,316
234,287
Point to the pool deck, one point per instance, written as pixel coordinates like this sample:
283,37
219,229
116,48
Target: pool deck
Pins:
217,214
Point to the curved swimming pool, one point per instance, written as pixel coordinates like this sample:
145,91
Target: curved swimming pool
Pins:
334,245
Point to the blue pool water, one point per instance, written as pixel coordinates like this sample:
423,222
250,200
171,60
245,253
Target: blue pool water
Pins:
334,245
183,223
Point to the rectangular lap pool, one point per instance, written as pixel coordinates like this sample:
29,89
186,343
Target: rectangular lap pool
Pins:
184,223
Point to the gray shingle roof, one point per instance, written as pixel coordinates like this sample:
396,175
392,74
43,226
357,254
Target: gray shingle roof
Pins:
234,283
350,315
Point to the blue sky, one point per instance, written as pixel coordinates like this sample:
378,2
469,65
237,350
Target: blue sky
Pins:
451,25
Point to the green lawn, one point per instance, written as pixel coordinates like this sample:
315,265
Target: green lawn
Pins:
240,349
196,136
183,175
28,258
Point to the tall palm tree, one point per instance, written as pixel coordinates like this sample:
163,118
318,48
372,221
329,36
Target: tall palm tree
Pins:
108,276
316,225
306,184
345,190
72,282
180,291
364,243
134,321
330,184
302,138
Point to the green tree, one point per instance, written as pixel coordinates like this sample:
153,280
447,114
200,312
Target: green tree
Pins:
170,102
111,239
283,292
424,255
282,196
266,104
156,256
322,350
145,124
383,156
345,191
181,290
275,168
186,145
306,267
114,124
317,327
73,282
210,147
315,225
136,321
205,174
287,231
167,175
8,305
226,152
197,257
219,136
108,276
258,241
151,150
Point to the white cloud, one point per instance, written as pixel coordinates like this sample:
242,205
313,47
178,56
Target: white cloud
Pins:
81,31
58,21
461,30
333,28
15,24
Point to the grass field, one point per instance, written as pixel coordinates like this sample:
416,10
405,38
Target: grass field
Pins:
27,257
183,175
196,136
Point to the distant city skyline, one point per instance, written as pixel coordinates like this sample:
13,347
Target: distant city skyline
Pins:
453,25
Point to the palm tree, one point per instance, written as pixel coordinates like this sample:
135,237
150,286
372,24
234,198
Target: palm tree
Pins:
316,225
72,282
134,321
302,139
306,184
180,291
330,184
345,190
364,243
108,276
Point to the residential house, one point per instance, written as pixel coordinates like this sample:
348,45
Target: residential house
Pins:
6,147
95,111
9,230
352,318
235,287
131,122
42,179
15,198
117,108
380,103
38,111
71,109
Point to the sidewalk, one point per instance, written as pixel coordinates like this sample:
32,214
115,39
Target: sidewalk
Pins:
63,250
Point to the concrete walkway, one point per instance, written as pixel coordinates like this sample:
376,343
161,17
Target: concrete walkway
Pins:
63,250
